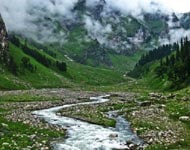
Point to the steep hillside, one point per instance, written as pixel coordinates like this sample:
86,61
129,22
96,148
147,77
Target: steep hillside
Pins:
26,66
167,66
4,56
94,34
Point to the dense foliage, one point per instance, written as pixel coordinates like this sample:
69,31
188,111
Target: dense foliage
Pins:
173,63
176,67
151,56
37,55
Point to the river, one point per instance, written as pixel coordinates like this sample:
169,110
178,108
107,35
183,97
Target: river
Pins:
85,136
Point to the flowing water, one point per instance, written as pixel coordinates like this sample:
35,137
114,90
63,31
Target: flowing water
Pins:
85,136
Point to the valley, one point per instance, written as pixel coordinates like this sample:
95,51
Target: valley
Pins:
157,118
94,75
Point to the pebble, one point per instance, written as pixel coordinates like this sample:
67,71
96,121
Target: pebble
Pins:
114,135
5,144
184,118
32,137
4,125
145,103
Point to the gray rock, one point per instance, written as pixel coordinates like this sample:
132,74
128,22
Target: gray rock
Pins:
145,103
32,137
113,135
155,95
4,125
5,144
184,118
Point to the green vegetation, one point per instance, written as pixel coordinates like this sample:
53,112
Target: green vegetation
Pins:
86,75
42,77
176,67
167,66
16,135
29,72
25,98
155,22
123,63
32,65
131,25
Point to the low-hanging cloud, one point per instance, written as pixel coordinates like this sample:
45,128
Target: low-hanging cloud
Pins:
134,8
21,16
96,30
17,16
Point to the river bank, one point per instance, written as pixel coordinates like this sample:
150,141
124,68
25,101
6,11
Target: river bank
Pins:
151,118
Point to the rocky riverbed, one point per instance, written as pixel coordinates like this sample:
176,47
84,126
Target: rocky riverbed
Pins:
150,116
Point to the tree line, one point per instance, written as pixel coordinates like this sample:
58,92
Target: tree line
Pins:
176,67
151,56
37,55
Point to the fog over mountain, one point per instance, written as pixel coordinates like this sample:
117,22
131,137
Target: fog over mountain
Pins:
17,16
37,18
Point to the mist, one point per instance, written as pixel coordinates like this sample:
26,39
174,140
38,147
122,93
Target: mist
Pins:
18,17
24,16
96,30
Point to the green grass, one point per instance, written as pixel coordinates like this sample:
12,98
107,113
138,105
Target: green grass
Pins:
123,63
43,77
86,75
156,26
177,109
10,82
131,27
75,45
18,135
25,98
76,75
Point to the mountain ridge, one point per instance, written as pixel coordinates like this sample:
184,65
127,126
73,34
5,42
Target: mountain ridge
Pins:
89,26
4,54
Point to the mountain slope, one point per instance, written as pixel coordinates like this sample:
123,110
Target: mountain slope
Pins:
94,34
4,56
25,66
168,66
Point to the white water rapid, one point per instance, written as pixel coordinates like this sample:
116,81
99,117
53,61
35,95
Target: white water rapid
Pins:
85,136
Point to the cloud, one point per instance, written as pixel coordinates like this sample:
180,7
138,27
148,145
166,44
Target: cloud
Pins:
14,13
179,6
19,15
97,30
177,34
24,16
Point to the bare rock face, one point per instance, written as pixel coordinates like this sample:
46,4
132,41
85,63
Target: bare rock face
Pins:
4,57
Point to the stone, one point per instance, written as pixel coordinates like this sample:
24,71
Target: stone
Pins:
184,118
114,135
1,134
150,141
132,146
162,106
5,144
27,107
4,125
171,95
145,103
32,137
156,95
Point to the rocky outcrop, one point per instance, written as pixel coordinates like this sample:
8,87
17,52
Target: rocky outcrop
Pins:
3,42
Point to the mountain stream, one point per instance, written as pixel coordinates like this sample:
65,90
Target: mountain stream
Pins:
86,136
